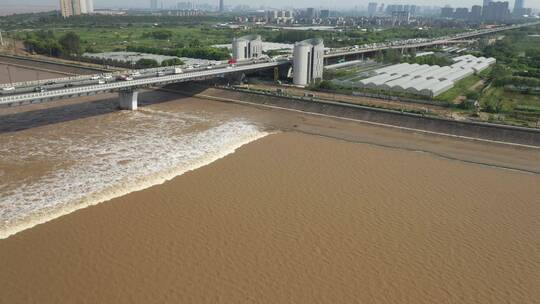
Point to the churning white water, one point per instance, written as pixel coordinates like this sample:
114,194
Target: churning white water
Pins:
92,160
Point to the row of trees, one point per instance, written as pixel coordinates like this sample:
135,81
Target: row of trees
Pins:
159,34
354,36
45,42
518,61
151,63
52,19
69,45
395,56
517,81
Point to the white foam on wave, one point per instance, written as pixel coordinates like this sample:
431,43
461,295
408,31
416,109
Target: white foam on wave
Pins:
151,150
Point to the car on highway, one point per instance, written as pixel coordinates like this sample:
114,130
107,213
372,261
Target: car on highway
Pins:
49,83
101,81
6,90
160,73
39,89
107,76
124,78
135,74
95,77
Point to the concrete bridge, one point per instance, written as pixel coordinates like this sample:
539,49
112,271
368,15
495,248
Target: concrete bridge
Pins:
48,90
418,43
128,88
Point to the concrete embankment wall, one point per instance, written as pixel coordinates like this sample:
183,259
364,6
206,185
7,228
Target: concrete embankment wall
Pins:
50,65
485,131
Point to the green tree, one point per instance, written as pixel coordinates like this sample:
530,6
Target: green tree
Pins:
160,34
70,43
146,63
391,56
171,62
472,95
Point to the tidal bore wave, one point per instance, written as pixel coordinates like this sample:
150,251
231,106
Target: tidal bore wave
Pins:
150,148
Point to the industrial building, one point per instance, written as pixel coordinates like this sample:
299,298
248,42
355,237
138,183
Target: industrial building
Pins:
308,61
425,79
247,47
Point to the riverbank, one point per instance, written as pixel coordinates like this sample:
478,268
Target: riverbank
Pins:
385,117
30,68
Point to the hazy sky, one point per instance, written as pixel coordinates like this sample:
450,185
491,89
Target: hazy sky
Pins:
273,3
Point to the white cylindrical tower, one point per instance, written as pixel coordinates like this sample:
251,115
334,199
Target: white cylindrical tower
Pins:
247,47
239,48
301,64
308,61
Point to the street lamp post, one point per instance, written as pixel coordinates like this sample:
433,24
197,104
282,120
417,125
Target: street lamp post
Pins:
9,75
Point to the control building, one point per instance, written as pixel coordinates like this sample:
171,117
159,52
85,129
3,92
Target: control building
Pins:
247,47
308,61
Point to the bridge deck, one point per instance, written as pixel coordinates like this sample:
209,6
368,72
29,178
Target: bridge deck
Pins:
131,84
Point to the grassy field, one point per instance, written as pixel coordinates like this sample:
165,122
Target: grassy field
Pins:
350,73
517,108
110,39
460,88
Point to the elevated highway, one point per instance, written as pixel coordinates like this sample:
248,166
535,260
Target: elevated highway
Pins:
418,43
66,88
48,90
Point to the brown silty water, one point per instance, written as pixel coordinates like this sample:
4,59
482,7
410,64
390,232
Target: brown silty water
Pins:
319,211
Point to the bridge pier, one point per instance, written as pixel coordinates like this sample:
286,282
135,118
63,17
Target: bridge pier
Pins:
128,99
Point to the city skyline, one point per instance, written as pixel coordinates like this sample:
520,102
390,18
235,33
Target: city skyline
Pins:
280,3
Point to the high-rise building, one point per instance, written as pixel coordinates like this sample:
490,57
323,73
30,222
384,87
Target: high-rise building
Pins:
82,5
311,13
70,8
447,12
89,6
496,11
76,6
400,17
486,3
519,7
185,6
411,9
153,5
372,8
308,61
476,13
271,16
325,14
461,13
66,8
221,6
